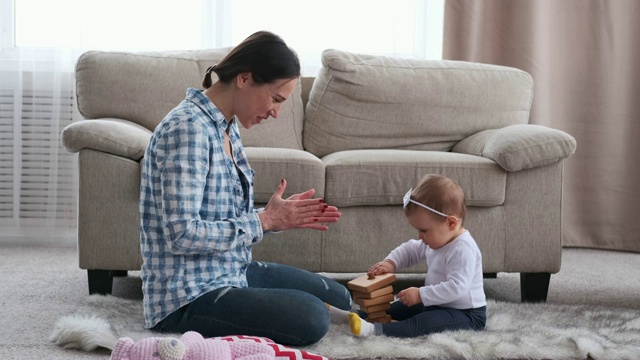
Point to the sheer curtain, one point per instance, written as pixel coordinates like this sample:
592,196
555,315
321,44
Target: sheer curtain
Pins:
38,51
38,183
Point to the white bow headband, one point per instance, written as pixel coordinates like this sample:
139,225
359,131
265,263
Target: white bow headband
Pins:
407,199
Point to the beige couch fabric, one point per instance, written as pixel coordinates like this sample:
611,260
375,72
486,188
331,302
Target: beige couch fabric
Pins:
131,86
377,102
143,87
382,177
112,136
519,147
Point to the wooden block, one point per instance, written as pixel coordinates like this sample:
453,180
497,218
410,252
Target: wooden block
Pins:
378,314
366,285
384,319
374,308
375,301
374,293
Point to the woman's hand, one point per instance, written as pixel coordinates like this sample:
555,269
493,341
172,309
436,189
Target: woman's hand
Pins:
298,211
410,296
383,267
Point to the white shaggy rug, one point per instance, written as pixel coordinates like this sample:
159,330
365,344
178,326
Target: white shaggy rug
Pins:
514,331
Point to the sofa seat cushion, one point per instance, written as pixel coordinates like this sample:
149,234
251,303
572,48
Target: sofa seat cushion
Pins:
376,102
382,177
301,169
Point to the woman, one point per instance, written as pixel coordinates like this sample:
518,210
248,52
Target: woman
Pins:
198,223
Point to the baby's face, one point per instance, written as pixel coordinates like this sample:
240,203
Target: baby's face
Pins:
434,230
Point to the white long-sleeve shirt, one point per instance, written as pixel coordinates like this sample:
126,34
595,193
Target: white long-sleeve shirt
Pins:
454,276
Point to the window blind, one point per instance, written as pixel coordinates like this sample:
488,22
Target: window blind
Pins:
37,175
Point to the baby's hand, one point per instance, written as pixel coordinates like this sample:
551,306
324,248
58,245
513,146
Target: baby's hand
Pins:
410,296
383,267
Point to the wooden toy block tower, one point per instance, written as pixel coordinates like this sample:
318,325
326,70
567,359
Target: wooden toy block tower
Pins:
374,294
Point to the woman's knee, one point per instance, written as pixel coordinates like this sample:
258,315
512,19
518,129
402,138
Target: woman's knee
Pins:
311,331
303,321
274,276
318,331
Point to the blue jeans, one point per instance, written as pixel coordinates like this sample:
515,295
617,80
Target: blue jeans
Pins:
419,320
282,303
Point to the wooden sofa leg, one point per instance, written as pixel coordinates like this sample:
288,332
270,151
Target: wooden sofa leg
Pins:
100,281
534,287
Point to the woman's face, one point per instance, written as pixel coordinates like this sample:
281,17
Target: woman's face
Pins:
258,102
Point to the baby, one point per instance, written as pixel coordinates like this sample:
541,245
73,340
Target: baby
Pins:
452,297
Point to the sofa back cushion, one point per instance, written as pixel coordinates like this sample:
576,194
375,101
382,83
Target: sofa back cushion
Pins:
143,87
376,102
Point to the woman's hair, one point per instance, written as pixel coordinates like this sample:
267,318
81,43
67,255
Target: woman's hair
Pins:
439,193
263,54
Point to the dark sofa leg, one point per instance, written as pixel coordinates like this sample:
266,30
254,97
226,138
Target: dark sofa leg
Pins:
534,287
490,275
100,281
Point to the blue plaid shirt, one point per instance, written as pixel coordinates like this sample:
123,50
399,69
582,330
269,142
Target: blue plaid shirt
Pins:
197,221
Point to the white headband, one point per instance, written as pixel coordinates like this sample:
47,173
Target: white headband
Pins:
407,199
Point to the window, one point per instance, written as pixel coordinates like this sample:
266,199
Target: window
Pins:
131,25
404,28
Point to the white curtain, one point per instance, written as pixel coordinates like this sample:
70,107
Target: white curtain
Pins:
38,51
38,183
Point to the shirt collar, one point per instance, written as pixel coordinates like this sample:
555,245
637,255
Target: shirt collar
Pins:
198,97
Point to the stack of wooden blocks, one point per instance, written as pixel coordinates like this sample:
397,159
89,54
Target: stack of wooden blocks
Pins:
374,294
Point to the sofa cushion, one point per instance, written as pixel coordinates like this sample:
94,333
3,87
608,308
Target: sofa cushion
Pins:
142,87
301,169
382,177
520,147
112,136
375,102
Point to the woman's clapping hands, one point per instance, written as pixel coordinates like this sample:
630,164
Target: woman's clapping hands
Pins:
299,211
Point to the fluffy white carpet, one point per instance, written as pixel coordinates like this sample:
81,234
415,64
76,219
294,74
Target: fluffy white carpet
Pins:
514,331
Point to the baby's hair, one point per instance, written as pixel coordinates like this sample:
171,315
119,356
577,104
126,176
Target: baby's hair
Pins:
440,193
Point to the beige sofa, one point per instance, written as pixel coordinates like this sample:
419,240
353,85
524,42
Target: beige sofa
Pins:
361,133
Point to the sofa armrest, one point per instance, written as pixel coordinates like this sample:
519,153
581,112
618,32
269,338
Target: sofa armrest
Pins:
109,135
519,147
